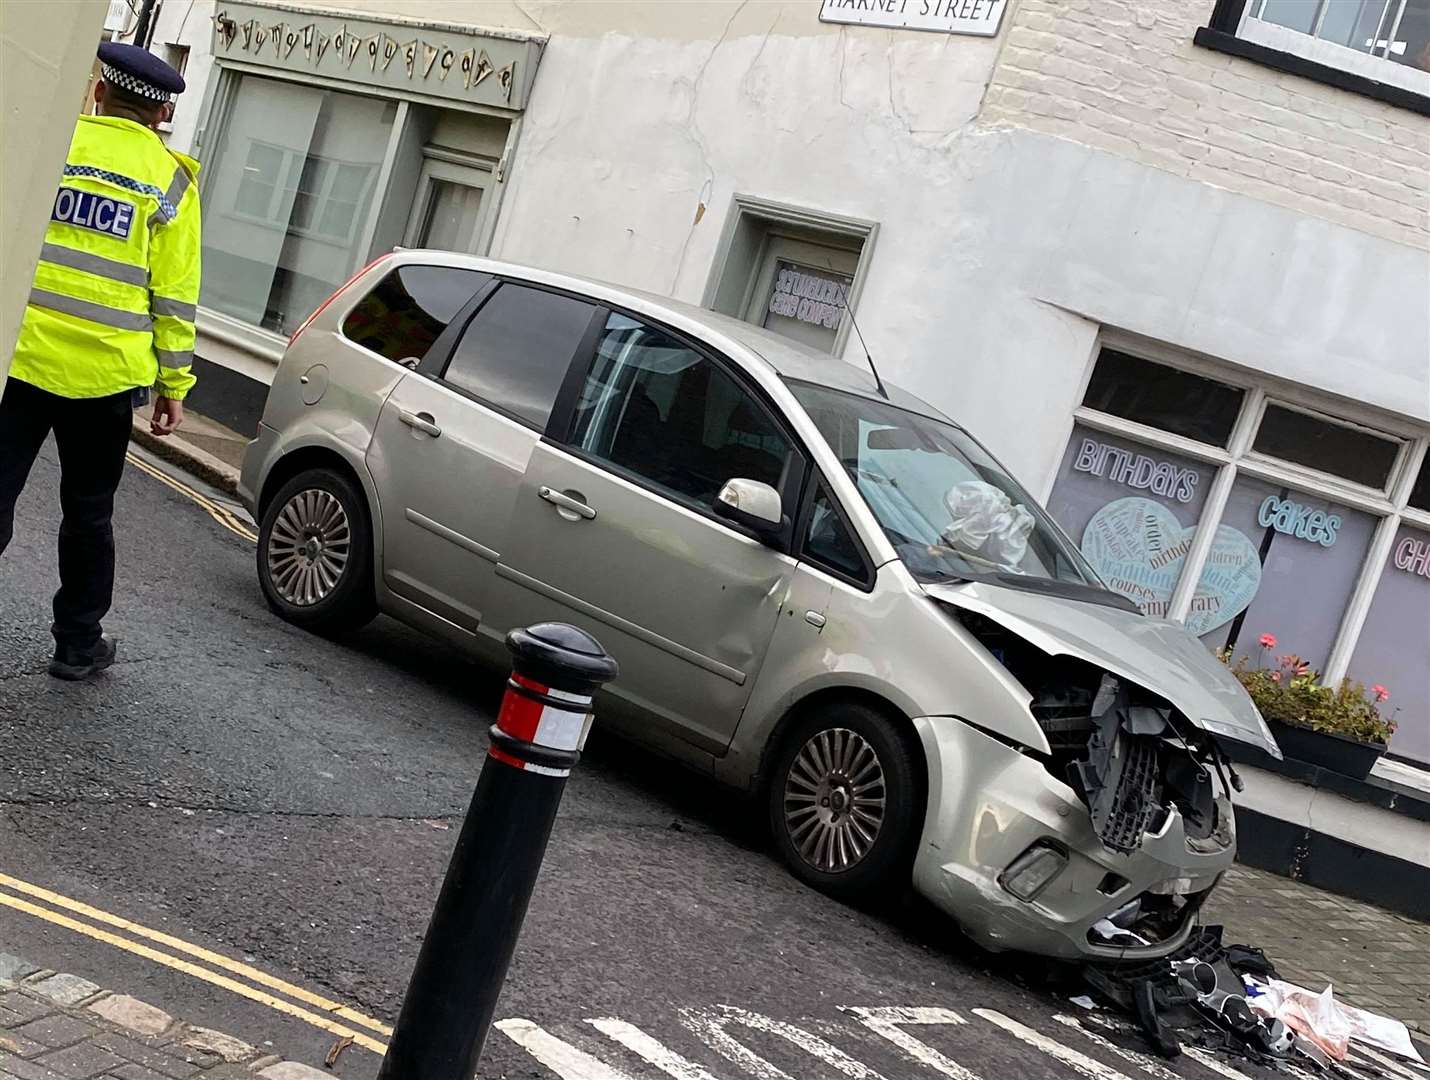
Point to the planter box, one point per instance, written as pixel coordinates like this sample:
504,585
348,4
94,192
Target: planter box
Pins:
1338,753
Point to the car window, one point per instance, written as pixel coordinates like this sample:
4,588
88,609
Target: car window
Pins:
405,312
516,351
664,412
828,541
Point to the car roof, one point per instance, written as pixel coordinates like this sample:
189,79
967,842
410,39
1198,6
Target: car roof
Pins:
789,359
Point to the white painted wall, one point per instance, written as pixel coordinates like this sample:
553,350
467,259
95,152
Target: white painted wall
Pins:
1000,249
1097,169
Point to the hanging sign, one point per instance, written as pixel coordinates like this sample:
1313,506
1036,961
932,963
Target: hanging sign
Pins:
979,17
484,67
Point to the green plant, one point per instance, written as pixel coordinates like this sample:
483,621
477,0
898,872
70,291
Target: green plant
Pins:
1292,693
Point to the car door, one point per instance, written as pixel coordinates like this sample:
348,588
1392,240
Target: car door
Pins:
454,440
614,528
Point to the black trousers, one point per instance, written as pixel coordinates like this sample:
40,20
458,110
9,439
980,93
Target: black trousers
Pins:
92,435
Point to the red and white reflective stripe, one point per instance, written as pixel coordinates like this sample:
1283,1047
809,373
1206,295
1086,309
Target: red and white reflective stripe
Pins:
542,723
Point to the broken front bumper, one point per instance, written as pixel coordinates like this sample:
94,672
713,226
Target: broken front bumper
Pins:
988,804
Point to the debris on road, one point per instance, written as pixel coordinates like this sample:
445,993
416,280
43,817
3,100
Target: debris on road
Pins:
336,1050
1229,998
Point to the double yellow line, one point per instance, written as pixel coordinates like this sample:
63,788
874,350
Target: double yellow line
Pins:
208,966
220,513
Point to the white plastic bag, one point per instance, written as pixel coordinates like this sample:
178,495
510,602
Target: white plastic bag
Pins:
1326,1022
984,521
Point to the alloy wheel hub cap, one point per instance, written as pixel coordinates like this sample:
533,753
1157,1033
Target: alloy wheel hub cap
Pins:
834,800
308,547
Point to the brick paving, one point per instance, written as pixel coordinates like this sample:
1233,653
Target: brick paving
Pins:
59,1027
1375,959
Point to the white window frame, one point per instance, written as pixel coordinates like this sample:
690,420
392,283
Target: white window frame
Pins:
1310,47
1390,506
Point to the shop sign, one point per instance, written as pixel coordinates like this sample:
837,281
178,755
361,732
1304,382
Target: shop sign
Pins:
1302,522
480,67
1136,470
810,298
979,17
1139,548
1413,556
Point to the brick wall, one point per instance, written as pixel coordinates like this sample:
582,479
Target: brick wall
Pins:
1124,76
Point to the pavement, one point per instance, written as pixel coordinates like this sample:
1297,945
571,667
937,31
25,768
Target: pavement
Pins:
244,827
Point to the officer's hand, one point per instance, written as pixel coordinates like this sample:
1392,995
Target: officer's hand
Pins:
168,415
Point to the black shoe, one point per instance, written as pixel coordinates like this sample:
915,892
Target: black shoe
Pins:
74,665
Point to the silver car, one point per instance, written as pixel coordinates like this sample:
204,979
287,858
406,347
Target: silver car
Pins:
819,589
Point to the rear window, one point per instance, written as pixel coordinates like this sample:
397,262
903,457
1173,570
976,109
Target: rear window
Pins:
406,311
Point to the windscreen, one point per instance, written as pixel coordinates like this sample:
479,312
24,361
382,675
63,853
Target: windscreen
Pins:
951,511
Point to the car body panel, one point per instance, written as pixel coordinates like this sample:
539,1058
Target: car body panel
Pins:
987,804
1156,654
448,497
685,603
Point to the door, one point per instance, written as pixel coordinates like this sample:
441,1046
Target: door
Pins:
449,211
454,440
614,529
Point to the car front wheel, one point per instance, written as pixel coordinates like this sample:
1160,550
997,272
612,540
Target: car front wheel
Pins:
315,553
846,802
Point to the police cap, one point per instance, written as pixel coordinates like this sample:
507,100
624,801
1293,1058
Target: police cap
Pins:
139,71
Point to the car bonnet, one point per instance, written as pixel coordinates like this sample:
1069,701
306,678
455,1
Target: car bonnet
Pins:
1158,655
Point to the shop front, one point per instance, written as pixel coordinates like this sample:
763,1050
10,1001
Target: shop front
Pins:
1250,508
328,140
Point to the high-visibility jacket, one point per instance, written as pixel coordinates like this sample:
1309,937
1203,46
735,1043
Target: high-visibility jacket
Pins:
117,286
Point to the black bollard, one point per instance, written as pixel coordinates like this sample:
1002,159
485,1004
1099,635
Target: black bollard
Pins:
464,959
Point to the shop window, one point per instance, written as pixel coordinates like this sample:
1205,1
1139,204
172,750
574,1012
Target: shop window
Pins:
1395,30
1420,491
791,270
1324,445
1393,651
1133,511
1289,564
404,314
291,185
1163,397
1378,48
517,350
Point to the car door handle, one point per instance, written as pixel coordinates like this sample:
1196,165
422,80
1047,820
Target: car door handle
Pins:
566,502
421,421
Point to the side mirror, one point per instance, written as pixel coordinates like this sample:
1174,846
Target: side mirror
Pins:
753,504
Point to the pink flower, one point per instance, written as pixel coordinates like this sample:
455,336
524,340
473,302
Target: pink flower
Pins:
1380,692
1276,676
1268,641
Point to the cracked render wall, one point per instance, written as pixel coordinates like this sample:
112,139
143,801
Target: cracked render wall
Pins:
1004,244
1030,189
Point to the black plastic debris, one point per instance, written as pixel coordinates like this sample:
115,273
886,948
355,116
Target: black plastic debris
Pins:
1121,776
1196,995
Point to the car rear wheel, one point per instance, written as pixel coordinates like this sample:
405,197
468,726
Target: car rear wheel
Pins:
315,553
845,801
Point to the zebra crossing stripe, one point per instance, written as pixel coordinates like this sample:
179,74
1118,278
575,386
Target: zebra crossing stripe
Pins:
650,1049
889,1023
560,1057
1145,1062
1081,1063
1406,1070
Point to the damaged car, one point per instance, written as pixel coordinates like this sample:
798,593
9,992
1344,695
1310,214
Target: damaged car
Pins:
819,589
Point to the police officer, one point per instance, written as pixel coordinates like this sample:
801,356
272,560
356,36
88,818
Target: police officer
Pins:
110,315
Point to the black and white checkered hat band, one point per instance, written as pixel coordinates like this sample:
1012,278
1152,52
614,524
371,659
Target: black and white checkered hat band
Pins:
134,85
